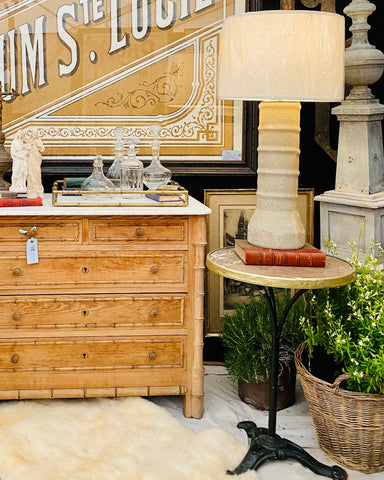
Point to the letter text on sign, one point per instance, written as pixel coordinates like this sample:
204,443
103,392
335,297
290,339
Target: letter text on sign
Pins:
62,13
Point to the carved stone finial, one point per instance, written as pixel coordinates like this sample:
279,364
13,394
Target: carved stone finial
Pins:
360,157
364,64
358,197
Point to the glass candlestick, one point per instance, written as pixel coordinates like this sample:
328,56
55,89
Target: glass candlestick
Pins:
97,180
132,171
156,175
114,171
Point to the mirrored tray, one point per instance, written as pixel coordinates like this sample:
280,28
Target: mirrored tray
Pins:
173,195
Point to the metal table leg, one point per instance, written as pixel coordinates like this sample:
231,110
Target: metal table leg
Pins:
265,444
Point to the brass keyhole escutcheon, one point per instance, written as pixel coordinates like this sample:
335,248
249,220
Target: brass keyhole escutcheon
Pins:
15,358
85,269
139,232
154,269
84,355
85,313
154,312
152,355
16,316
16,271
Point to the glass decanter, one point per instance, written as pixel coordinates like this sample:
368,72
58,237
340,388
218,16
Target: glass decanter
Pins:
114,171
156,175
132,171
97,180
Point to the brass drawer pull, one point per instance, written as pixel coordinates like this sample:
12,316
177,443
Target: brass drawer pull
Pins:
139,232
16,316
16,271
154,312
15,358
154,269
152,355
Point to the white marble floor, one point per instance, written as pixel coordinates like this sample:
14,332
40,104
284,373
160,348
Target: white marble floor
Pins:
224,409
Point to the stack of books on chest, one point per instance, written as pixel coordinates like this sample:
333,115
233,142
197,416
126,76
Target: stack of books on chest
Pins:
308,256
18,199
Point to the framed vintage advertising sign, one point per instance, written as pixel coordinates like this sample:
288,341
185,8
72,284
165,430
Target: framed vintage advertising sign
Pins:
83,67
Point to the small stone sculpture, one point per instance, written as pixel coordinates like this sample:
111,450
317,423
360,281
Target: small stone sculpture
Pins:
36,148
19,163
26,151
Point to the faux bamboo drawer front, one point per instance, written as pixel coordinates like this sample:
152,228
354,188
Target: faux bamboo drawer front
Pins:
61,311
96,271
47,231
159,232
114,306
90,354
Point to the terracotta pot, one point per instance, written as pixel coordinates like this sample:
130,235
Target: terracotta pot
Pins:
257,394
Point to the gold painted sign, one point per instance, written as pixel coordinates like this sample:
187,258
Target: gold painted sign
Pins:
83,67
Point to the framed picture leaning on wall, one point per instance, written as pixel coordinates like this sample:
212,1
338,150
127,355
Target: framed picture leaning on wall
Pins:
231,211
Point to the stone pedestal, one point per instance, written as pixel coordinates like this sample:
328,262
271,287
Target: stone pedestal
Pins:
360,165
354,211
346,217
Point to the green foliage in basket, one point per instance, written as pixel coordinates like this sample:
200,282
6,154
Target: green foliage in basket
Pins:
348,322
247,337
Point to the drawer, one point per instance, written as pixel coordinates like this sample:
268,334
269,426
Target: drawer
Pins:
48,231
68,311
157,231
95,272
91,354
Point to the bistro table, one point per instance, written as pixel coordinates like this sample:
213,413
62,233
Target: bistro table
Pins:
265,444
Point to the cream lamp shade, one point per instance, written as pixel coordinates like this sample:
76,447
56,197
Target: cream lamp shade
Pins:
281,57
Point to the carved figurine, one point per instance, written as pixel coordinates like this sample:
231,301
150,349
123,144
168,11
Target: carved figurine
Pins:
36,148
19,155
26,151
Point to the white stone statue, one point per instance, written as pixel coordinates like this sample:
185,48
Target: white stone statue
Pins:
36,148
26,151
19,155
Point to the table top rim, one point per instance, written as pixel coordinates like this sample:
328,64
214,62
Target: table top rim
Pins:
336,273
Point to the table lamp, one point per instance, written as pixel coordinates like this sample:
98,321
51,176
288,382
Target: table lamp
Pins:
281,58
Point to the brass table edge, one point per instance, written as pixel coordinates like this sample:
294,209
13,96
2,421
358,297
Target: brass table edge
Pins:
57,202
282,282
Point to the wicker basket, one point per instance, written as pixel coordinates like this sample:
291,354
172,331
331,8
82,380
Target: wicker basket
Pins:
349,425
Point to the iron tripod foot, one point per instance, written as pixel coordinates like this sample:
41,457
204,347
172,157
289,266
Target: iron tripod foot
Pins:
267,447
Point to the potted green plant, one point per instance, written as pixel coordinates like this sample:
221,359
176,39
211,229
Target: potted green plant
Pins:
345,343
247,339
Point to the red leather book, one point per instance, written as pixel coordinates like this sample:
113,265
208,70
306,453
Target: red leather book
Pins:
308,256
20,202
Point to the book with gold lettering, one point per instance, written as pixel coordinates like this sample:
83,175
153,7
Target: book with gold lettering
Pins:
308,256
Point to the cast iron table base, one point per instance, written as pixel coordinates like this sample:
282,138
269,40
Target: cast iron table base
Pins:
266,447
265,444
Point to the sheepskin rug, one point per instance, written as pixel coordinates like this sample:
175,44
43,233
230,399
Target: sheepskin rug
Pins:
109,439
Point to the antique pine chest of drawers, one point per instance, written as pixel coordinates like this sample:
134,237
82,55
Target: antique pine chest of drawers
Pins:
114,306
